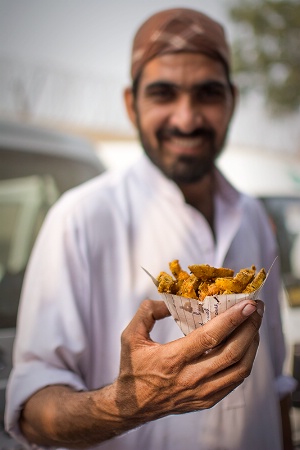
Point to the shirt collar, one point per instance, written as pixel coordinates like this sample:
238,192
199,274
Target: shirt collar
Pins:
151,177
228,216
227,201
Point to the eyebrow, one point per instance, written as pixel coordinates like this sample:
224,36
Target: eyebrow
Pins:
167,84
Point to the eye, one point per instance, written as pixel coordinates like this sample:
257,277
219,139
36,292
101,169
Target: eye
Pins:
161,93
211,93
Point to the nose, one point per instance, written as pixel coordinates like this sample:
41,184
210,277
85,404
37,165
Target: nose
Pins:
186,115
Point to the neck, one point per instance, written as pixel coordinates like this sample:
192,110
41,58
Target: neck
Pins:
200,196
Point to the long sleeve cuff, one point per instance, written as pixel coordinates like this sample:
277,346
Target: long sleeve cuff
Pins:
284,385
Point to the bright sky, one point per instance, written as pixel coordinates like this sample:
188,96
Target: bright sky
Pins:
86,35
93,37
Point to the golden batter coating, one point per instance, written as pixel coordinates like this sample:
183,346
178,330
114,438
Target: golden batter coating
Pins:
166,283
257,282
206,272
206,280
179,274
189,287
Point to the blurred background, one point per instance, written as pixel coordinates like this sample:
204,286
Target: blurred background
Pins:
65,64
63,67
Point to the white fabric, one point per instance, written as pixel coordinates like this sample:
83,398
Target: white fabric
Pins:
85,282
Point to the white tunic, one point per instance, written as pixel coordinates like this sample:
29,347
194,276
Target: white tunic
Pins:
84,283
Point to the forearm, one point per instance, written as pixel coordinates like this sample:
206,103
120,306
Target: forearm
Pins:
58,416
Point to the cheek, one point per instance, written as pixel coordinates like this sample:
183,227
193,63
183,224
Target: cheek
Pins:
151,120
219,120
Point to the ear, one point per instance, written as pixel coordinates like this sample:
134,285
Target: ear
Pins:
130,107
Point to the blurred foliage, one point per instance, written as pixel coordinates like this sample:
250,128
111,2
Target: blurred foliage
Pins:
266,55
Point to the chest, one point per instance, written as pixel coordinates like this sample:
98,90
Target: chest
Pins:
151,239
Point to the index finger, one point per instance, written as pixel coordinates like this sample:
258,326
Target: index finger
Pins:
218,329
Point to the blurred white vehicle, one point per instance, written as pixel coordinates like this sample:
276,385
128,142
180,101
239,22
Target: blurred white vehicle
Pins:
37,166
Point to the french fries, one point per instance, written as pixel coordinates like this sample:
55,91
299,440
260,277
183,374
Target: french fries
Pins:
205,280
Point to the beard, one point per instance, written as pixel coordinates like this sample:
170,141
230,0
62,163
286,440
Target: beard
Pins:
183,169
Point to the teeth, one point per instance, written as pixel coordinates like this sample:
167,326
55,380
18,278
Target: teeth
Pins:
187,142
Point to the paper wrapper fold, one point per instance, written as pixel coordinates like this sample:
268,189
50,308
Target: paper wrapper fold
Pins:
190,314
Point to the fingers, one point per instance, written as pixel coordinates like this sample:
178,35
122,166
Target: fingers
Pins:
234,375
234,357
211,389
145,317
191,377
218,329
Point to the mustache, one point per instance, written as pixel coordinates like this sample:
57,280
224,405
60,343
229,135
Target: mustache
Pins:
176,132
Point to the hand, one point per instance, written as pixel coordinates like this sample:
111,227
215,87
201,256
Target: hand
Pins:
191,373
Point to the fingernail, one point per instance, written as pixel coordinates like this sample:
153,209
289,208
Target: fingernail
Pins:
248,310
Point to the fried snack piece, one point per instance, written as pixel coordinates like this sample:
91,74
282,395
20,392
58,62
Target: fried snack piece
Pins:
206,280
189,287
166,283
226,286
206,272
176,269
257,282
245,276
234,285
207,288
179,274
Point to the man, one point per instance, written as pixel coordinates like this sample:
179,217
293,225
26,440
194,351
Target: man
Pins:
69,386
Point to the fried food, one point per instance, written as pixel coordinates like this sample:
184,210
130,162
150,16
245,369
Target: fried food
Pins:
189,287
179,274
206,272
257,281
237,284
205,280
165,283
176,269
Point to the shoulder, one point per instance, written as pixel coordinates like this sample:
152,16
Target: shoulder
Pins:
254,209
103,195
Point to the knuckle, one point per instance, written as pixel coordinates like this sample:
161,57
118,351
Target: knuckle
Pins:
171,366
173,359
233,354
126,338
209,404
246,363
208,340
257,339
146,304
147,308
234,322
244,371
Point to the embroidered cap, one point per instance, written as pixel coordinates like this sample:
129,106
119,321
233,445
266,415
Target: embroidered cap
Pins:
178,30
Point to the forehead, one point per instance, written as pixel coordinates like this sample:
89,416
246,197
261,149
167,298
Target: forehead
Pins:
183,69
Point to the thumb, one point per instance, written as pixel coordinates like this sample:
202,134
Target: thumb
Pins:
215,331
147,314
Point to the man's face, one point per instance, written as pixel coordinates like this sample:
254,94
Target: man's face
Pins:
182,110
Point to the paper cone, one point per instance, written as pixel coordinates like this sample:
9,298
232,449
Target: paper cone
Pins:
190,313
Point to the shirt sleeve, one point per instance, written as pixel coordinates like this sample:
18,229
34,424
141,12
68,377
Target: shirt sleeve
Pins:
51,338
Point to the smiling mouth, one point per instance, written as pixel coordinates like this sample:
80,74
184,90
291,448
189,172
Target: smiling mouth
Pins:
188,146
187,142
